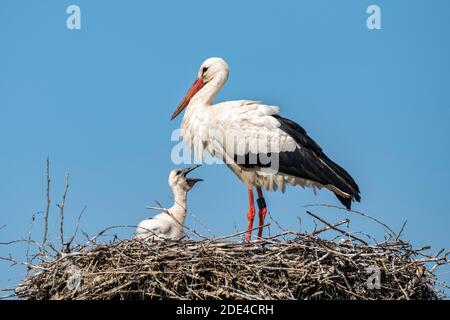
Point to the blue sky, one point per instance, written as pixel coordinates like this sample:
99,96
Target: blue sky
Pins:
98,100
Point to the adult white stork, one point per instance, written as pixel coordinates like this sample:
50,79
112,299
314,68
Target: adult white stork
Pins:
262,148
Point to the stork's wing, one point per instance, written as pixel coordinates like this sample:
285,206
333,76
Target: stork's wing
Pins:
254,135
240,128
310,162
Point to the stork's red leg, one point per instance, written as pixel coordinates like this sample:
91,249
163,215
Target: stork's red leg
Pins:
250,213
262,211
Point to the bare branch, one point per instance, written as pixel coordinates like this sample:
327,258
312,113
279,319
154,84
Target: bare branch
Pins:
61,211
335,228
386,227
72,238
47,210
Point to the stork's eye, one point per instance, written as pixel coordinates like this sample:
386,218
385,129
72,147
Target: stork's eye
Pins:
204,70
178,172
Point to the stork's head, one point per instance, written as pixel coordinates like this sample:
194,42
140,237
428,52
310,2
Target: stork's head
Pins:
178,179
213,71
211,68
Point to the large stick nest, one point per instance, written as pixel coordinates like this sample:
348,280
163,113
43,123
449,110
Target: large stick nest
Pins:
304,267
289,265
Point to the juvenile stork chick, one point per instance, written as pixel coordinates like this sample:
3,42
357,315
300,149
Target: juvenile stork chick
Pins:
168,225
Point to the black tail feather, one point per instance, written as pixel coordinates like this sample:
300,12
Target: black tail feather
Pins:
338,176
353,189
347,202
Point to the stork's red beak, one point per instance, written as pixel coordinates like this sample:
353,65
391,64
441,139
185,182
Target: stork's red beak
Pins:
198,84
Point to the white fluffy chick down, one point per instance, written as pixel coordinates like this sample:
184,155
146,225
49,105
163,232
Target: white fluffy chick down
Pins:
169,224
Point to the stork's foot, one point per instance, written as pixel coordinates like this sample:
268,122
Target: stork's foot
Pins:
251,217
262,211
250,214
261,214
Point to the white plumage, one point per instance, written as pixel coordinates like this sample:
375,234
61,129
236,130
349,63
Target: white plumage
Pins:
235,128
262,148
169,224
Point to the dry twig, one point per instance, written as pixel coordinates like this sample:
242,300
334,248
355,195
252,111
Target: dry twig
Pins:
47,210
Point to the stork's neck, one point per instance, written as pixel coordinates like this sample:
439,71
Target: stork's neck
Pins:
179,208
208,93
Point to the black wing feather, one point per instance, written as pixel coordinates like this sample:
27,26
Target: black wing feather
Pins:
307,162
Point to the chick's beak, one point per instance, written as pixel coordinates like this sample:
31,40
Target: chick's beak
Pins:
191,181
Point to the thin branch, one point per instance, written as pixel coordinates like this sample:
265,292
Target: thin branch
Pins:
69,243
336,229
238,234
337,224
389,230
61,211
47,210
30,231
193,231
401,230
